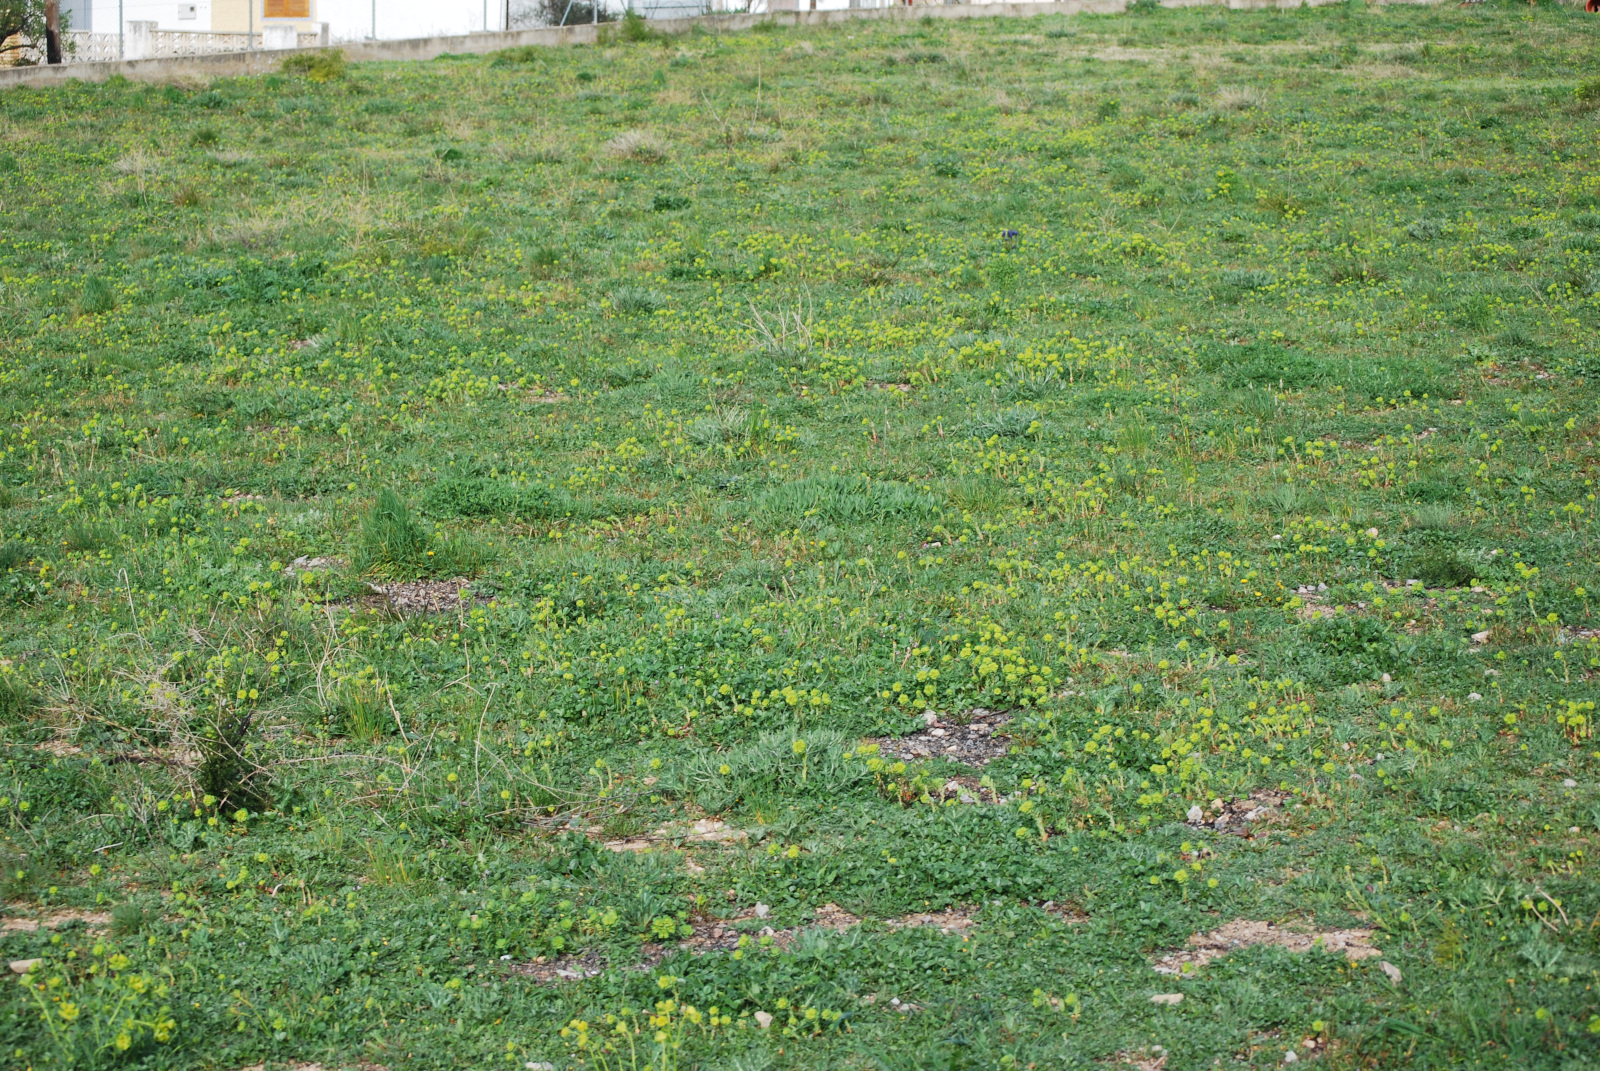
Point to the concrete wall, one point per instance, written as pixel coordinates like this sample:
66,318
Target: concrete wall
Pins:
232,64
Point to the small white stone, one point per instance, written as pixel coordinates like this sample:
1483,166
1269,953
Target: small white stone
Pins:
1196,814
22,966
1569,783
1372,533
1386,678
1473,697
1291,1057
1167,998
1481,637
763,1019
762,911
1390,970
930,718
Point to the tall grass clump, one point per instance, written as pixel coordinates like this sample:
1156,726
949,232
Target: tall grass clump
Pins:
395,545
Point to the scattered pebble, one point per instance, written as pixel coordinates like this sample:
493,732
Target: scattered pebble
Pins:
1236,816
422,596
1167,998
976,742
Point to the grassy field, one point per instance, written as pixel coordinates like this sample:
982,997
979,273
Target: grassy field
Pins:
901,545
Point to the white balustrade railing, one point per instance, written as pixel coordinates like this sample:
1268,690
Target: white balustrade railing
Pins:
142,40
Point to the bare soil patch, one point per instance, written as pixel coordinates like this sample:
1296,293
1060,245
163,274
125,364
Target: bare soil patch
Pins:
1238,816
953,921
19,923
1152,1059
976,741
700,831
1244,933
422,596
544,970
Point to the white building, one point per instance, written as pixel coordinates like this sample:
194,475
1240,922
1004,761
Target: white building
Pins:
348,20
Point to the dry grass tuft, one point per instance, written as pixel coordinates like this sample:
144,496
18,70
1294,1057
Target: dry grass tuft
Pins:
1240,98
642,145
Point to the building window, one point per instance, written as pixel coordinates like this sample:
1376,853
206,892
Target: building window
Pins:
287,9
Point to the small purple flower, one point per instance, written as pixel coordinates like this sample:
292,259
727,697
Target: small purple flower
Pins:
1010,236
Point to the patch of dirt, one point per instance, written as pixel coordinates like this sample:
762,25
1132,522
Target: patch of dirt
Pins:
536,395
547,971
722,935
1071,914
297,1065
1152,1059
178,758
58,747
968,790
710,935
833,917
1244,933
700,831
95,920
953,921
307,564
976,742
422,596
1237,816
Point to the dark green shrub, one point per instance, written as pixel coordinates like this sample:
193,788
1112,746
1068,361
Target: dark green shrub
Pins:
517,57
1439,567
322,66
226,772
636,30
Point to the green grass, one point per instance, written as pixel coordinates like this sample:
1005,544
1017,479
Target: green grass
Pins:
1211,393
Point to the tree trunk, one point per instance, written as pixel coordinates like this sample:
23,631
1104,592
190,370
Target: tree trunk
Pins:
52,31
